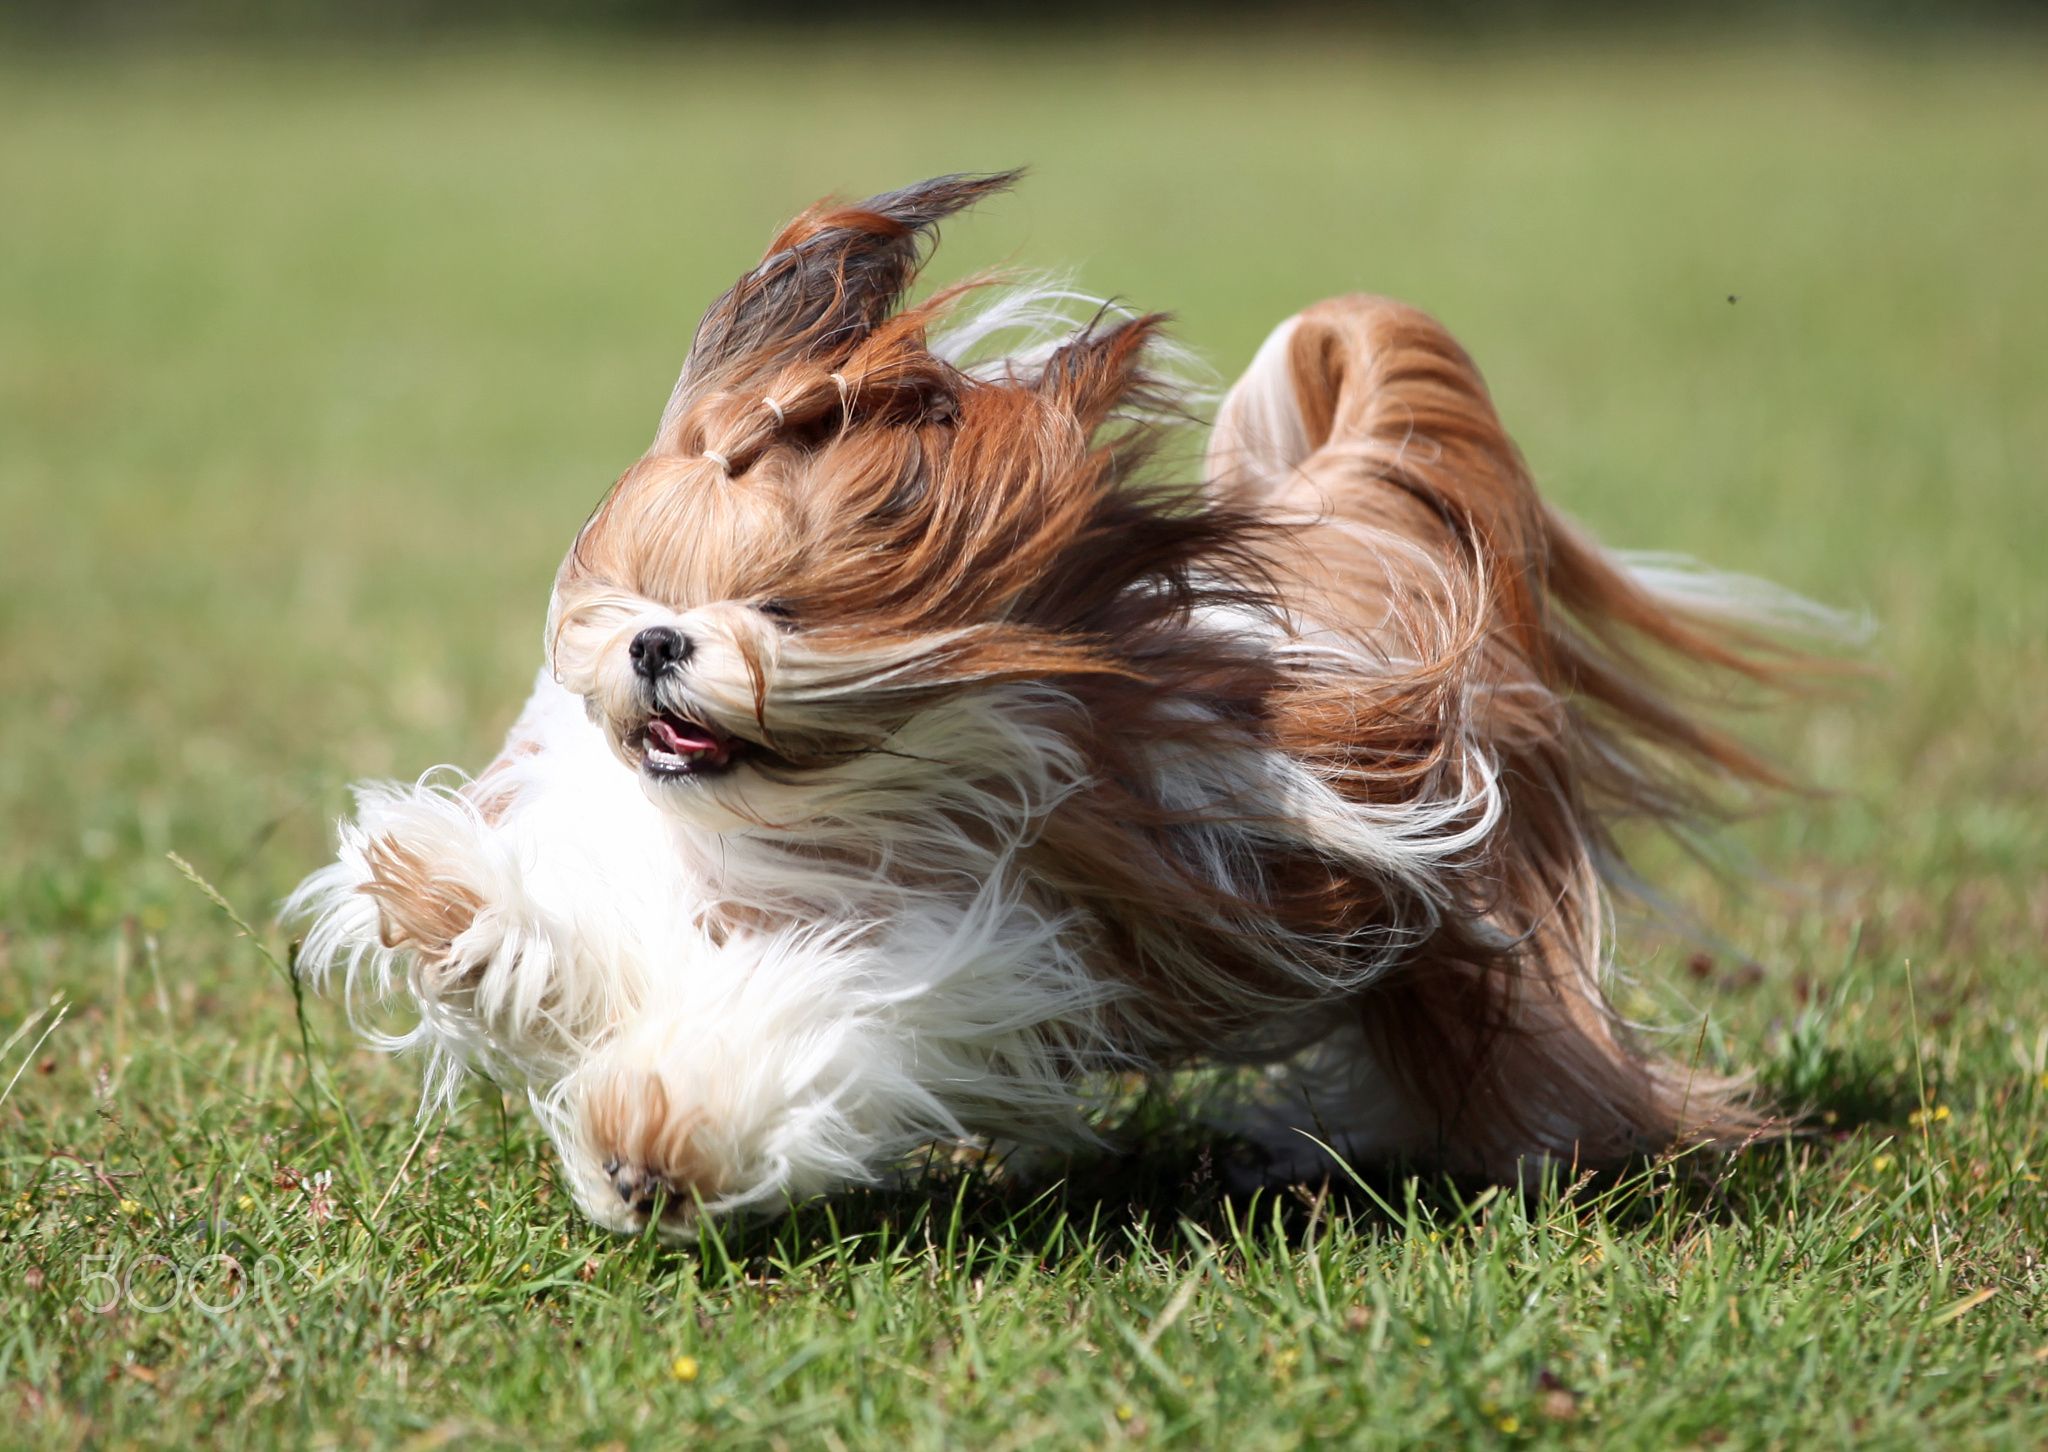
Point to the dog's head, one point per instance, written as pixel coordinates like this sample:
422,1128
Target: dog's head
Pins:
841,530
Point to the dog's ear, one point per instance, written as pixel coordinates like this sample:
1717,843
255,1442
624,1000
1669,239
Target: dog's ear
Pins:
1100,369
828,279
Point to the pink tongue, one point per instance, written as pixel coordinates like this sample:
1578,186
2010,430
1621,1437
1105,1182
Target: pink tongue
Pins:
680,741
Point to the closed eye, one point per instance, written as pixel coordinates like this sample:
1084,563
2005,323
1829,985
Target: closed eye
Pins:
780,611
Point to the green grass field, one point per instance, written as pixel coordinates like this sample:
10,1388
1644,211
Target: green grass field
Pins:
308,370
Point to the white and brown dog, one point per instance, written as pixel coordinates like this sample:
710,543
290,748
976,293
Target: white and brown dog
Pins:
906,752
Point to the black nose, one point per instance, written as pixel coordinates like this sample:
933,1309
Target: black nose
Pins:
657,649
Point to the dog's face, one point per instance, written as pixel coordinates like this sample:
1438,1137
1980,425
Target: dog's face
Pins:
838,533
745,640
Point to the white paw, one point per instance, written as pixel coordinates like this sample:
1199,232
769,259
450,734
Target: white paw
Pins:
431,898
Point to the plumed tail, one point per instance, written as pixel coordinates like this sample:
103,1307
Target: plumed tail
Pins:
1580,680
1362,412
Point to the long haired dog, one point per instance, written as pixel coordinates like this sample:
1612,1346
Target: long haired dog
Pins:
907,752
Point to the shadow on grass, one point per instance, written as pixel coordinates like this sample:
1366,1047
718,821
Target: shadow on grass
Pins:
1177,1184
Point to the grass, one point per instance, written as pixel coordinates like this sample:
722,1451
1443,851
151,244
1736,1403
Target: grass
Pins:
309,367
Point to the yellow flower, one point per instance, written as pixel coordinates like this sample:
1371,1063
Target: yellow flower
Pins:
1509,1425
1936,1115
1125,1411
131,1207
1422,1341
683,1368
1881,1163
245,1202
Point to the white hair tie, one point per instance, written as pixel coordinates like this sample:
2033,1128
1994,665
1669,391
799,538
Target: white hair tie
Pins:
775,408
720,460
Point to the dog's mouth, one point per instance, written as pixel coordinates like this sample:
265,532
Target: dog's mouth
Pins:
676,746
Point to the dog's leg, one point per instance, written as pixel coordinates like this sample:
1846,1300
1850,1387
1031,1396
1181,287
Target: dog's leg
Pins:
521,910
780,1065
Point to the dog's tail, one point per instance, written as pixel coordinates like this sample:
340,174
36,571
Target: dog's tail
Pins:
1578,684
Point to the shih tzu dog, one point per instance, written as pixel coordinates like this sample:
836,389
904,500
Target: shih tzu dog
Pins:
910,749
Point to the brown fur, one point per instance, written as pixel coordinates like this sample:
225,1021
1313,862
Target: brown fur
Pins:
417,909
1495,1043
817,456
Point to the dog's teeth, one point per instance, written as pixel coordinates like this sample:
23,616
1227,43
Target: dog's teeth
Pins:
661,756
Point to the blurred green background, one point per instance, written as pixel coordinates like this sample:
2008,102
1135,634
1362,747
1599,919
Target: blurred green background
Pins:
313,355
310,365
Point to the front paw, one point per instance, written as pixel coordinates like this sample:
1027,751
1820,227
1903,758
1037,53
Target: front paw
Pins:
429,897
676,1119
421,906
418,874
653,1150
